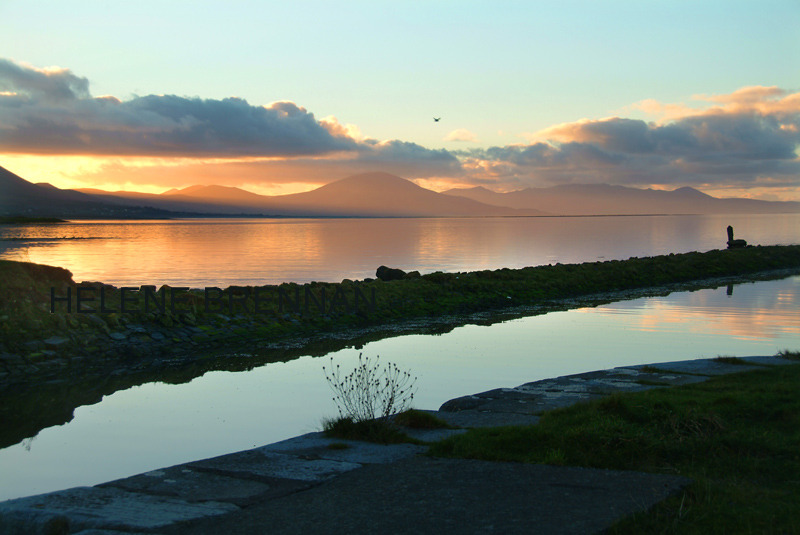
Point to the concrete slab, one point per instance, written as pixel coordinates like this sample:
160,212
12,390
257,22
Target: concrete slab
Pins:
535,398
317,446
103,508
432,435
473,418
264,463
427,495
707,367
196,486
110,532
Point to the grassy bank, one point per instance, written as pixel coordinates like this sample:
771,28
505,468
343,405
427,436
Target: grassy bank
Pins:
277,312
737,436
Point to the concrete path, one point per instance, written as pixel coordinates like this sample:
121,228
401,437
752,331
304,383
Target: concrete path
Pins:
312,484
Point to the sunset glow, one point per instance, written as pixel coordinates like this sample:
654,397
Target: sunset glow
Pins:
507,119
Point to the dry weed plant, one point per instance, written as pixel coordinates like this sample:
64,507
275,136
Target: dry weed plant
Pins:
370,391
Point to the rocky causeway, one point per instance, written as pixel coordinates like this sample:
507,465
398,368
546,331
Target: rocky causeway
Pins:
316,484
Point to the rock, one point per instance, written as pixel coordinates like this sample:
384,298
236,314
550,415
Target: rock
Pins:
462,404
34,345
389,274
117,336
412,275
54,342
734,244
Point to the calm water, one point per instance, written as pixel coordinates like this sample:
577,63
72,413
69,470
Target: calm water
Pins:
156,425
201,253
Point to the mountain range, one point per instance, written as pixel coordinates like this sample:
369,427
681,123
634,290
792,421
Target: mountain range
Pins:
365,195
604,199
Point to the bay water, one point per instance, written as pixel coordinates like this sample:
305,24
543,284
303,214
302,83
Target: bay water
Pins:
154,425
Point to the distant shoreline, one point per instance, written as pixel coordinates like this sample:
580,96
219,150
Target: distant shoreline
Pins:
24,220
13,220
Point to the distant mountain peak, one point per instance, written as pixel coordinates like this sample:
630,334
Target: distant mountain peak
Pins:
689,191
474,189
375,177
385,182
214,192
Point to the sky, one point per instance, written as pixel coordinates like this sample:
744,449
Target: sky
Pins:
281,97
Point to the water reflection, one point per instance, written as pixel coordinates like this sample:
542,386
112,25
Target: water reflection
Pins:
742,311
155,424
203,253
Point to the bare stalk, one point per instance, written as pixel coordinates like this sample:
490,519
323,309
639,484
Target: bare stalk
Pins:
370,391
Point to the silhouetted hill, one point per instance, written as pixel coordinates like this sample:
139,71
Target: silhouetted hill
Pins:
364,195
224,194
603,199
386,195
20,197
176,201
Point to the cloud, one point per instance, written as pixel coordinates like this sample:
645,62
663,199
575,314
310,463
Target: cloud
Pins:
461,134
749,137
49,85
745,139
52,112
763,100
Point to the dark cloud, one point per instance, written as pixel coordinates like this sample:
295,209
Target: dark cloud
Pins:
408,160
414,160
53,113
57,85
740,146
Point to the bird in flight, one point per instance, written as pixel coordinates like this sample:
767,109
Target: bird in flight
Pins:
436,119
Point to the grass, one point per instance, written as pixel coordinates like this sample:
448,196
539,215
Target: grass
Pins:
737,436
726,359
416,419
382,430
379,431
296,311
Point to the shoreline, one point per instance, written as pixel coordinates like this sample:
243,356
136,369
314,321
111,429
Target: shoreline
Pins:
218,488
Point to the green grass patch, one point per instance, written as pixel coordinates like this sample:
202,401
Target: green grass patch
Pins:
416,419
379,431
737,436
288,310
726,359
